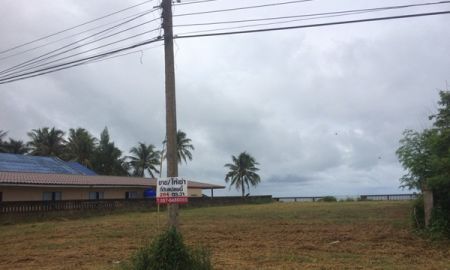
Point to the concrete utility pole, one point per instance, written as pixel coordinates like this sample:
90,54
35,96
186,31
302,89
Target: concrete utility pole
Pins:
171,113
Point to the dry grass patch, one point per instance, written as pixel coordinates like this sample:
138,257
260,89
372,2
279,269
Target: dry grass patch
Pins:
351,235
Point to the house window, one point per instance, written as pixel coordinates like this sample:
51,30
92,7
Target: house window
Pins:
52,196
131,195
95,195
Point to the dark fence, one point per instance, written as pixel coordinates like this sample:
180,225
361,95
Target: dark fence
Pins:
81,205
378,197
389,197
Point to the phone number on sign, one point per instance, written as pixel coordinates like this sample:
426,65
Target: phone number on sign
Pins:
177,200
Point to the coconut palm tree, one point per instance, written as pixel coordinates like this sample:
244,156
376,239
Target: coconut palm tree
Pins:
15,147
184,146
46,142
80,147
2,135
144,157
242,172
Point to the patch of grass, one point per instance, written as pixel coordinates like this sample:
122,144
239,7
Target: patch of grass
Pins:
353,235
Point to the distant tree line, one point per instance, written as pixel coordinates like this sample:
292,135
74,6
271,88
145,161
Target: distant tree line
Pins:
101,155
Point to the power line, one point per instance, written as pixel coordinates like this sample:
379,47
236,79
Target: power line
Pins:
314,14
18,74
192,2
75,63
314,25
241,8
125,54
39,59
272,23
73,35
74,27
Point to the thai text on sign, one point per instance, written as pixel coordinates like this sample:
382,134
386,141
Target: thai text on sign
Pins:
172,190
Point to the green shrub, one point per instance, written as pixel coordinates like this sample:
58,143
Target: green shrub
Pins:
362,198
418,213
328,199
348,199
168,252
439,223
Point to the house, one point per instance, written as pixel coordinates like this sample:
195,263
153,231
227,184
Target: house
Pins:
32,178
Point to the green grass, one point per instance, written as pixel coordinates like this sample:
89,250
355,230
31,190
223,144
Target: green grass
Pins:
350,235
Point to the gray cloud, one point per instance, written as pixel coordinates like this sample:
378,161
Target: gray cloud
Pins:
322,110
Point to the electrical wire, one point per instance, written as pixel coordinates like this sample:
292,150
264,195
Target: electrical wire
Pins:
241,8
314,14
315,25
75,63
17,74
111,54
74,27
271,23
69,36
192,2
40,58
125,54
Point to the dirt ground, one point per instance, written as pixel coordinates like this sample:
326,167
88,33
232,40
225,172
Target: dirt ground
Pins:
347,235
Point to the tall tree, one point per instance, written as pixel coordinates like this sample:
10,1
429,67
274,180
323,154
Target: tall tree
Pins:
242,172
426,157
2,136
46,142
80,146
15,147
107,159
415,154
144,158
184,147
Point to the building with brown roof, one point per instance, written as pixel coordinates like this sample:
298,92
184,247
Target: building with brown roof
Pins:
16,185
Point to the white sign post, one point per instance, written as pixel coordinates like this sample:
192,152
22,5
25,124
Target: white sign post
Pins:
172,190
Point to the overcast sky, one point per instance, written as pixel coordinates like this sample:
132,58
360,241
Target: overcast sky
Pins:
321,109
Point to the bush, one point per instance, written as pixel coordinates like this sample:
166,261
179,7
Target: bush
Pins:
362,198
418,214
168,252
328,199
439,223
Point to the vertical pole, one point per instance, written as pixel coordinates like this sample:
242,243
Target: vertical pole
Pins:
171,115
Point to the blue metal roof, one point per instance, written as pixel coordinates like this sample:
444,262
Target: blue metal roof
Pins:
36,164
78,167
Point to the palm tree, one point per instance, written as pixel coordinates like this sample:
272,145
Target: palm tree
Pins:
242,172
46,142
2,135
15,147
144,157
184,146
80,146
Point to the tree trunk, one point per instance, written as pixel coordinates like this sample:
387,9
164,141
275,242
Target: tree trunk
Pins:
243,190
427,204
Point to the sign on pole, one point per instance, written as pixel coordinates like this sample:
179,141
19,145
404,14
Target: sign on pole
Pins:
172,190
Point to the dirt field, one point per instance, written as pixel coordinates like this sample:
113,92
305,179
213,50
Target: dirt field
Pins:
351,235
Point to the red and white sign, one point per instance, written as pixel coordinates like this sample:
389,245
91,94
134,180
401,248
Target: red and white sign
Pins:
172,190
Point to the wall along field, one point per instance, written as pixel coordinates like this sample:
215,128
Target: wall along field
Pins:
350,235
